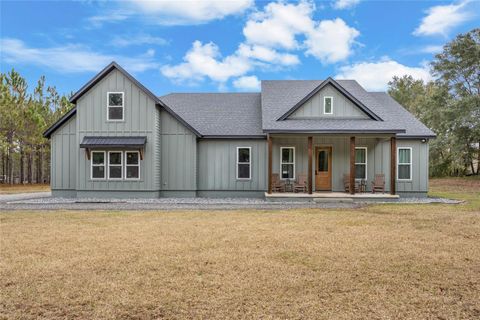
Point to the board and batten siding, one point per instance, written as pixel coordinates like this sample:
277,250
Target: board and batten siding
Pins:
217,161
419,182
63,157
141,118
178,160
342,107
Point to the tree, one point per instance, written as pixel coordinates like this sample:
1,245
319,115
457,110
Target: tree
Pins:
458,68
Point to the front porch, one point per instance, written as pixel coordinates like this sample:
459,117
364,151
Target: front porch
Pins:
330,197
328,164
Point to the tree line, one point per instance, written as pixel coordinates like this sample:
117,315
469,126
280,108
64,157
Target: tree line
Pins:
449,105
24,116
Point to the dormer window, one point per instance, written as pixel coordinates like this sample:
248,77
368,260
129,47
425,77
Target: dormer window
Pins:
328,105
115,106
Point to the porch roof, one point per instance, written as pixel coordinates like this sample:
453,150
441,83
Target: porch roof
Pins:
113,142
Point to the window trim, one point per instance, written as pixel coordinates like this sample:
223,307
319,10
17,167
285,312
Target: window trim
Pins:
325,105
109,106
132,165
97,165
410,163
115,165
366,163
282,163
249,163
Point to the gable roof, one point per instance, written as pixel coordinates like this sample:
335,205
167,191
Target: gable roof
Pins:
219,115
337,86
279,96
102,74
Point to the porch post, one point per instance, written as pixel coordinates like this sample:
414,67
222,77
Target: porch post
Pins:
269,141
352,165
309,170
393,164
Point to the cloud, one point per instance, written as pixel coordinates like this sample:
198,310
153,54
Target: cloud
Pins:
247,83
70,58
138,39
204,60
345,4
265,54
441,19
331,41
112,17
374,76
432,49
285,25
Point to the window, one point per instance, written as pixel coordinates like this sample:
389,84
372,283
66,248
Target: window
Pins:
98,165
287,162
404,160
361,163
115,106
328,105
243,163
115,165
132,165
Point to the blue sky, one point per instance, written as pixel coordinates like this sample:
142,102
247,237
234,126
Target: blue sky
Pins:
210,46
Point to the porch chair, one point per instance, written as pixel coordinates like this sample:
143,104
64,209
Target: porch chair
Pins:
346,184
277,184
378,184
301,184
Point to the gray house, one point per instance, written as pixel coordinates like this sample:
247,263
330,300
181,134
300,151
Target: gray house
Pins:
121,140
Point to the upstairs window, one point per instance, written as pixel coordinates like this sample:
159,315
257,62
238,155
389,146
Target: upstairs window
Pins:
361,163
287,162
98,165
328,105
243,163
115,164
404,169
115,106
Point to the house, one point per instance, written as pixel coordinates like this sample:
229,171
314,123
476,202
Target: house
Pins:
121,140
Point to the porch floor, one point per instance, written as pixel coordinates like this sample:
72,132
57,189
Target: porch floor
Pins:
331,196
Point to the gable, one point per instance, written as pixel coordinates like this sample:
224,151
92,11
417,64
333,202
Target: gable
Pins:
342,107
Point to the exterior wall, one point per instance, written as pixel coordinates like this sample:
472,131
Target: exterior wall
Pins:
141,119
342,107
63,160
217,160
178,159
378,160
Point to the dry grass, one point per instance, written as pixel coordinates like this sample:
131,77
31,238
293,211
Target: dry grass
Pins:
23,188
386,261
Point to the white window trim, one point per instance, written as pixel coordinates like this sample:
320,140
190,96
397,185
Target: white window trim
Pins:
325,105
249,163
410,163
115,165
366,163
123,107
282,163
132,165
98,165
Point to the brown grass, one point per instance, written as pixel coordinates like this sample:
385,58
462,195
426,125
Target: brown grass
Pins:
385,261
23,188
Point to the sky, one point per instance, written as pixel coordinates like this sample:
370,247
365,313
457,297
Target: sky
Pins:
217,46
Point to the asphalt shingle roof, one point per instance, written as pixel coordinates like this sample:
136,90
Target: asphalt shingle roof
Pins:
90,142
279,96
219,114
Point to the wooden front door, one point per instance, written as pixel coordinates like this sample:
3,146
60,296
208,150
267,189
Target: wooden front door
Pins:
323,168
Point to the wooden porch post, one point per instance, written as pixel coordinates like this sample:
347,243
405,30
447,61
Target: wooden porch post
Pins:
393,164
352,165
269,141
309,170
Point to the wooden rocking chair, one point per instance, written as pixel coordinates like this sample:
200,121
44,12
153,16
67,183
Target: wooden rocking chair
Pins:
277,184
378,184
301,184
346,184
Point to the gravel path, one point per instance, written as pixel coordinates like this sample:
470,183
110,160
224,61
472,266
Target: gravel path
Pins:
24,196
43,201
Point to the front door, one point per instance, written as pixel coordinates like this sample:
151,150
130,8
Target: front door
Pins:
323,168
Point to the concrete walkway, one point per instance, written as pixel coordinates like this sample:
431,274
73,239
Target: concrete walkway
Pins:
23,196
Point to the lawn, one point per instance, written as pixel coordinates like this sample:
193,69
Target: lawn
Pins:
23,188
384,261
